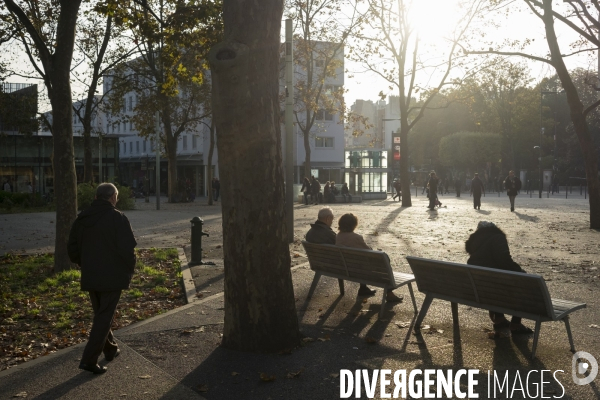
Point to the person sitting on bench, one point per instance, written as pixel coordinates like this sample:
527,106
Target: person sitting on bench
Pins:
488,247
347,238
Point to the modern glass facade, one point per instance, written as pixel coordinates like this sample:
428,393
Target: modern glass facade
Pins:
366,171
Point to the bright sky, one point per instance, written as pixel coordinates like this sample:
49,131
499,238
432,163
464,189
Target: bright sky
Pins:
435,19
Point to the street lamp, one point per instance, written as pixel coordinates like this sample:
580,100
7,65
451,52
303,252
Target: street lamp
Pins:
540,165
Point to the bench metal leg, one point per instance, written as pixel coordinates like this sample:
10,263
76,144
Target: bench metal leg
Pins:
569,334
385,292
454,307
313,286
341,283
412,296
536,335
423,312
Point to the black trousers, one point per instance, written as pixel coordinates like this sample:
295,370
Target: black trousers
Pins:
101,339
476,199
498,317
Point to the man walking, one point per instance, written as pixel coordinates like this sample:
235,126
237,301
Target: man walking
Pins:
476,189
512,184
432,187
315,190
101,242
398,188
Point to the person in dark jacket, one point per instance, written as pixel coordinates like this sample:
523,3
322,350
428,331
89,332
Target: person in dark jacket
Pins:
305,190
488,247
315,190
457,185
101,242
512,184
320,232
476,189
432,187
398,189
346,193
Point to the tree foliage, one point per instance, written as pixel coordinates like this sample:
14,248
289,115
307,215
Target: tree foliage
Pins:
169,77
470,150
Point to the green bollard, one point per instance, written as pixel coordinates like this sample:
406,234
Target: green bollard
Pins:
197,234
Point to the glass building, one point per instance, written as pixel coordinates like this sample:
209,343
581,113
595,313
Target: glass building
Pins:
366,172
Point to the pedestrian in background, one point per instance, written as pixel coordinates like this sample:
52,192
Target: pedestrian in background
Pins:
315,190
432,188
346,193
512,184
398,188
476,189
457,186
305,190
101,242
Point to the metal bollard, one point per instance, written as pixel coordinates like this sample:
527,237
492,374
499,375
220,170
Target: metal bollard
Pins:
197,234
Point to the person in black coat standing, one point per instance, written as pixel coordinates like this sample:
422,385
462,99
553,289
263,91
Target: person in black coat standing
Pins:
476,189
432,187
512,184
488,247
101,242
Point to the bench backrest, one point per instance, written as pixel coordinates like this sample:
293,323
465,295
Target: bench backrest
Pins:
358,264
485,287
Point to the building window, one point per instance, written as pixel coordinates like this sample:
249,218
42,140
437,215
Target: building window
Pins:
130,147
185,142
194,141
324,142
152,145
137,146
130,104
130,126
145,145
124,148
324,115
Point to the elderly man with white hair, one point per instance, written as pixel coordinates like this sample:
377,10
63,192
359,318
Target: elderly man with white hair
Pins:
320,232
102,244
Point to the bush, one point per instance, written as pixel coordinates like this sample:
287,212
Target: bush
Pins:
86,192
9,199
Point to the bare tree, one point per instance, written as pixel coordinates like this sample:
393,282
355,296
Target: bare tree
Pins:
260,312
580,17
46,30
389,45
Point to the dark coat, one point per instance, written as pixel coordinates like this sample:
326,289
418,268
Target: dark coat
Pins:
320,233
488,247
432,185
477,186
102,243
345,190
512,186
315,187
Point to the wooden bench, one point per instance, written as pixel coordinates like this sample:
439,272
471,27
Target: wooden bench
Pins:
357,265
507,292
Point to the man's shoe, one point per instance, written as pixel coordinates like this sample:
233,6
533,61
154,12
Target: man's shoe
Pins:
365,291
95,369
392,298
112,355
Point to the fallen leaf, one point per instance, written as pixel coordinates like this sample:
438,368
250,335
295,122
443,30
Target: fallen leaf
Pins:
235,373
594,326
294,375
186,332
21,394
308,339
202,388
144,377
335,375
370,340
402,324
266,377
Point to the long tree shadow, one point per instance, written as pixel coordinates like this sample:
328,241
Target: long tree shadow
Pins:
526,217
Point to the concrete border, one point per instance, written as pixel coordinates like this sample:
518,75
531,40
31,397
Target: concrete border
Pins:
186,276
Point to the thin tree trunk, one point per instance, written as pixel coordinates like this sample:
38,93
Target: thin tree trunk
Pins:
577,117
404,169
211,150
260,312
307,166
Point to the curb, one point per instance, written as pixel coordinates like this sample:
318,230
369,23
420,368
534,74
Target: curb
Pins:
186,277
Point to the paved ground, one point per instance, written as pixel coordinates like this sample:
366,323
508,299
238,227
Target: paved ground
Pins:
177,355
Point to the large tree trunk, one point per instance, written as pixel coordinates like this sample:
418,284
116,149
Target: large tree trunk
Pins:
260,312
211,150
577,117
